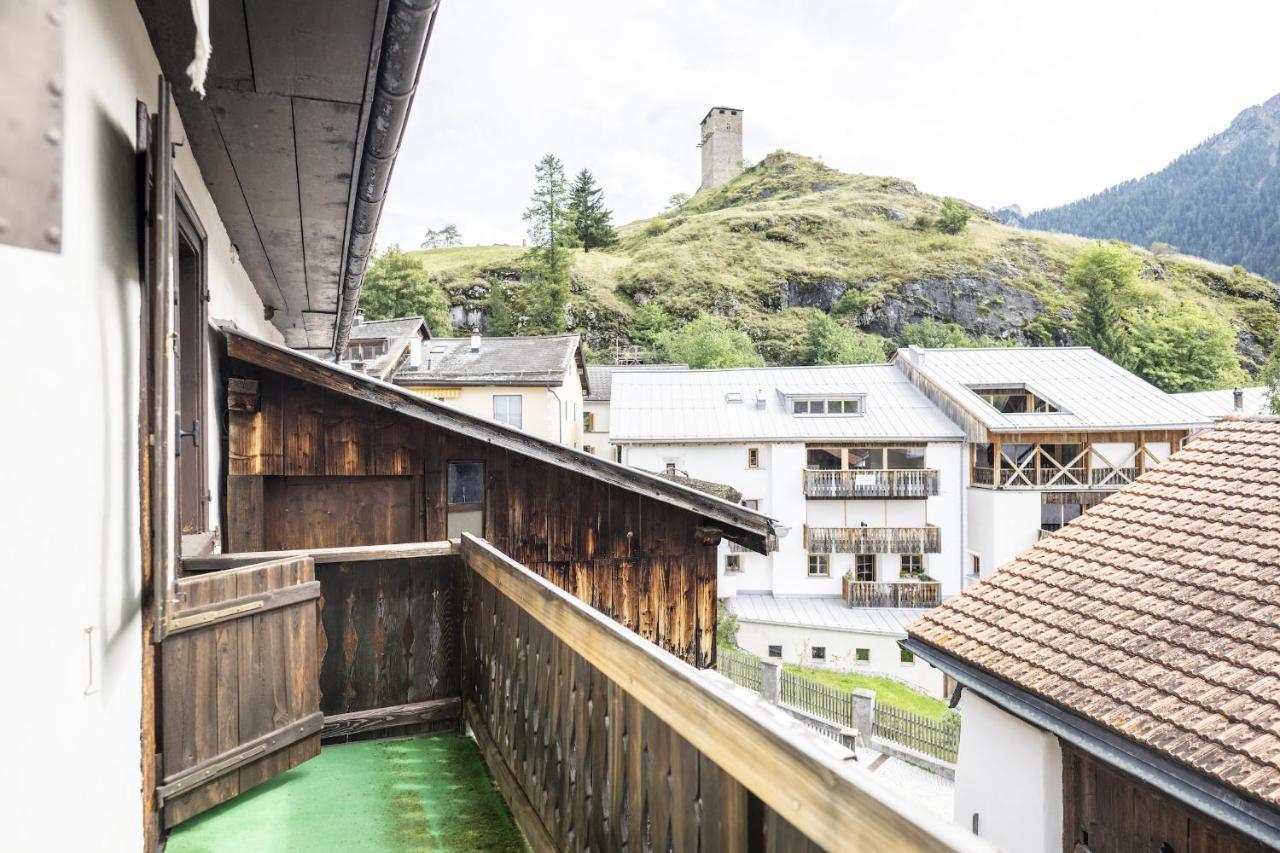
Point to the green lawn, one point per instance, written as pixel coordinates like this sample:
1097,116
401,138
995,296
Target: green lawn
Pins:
888,691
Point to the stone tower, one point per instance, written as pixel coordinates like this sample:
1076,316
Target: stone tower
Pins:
721,146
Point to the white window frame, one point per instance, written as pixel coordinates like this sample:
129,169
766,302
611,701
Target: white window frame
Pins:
732,564
753,451
506,417
824,559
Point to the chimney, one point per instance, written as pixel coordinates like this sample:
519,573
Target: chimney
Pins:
760,401
359,321
475,343
1237,399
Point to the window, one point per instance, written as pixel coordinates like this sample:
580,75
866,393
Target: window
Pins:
862,655
732,564
843,406
587,448
975,563
819,565
364,350
906,657
753,457
465,498
509,409
588,421
775,651
864,567
818,653
904,458
823,459
751,503
912,566
1011,399
617,454
192,325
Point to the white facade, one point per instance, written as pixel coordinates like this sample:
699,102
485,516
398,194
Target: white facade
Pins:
1010,776
71,532
595,429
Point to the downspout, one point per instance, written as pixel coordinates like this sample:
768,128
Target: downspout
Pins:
404,46
559,414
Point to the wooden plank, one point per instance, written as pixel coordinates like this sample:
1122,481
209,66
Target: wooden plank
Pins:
303,513
322,556
213,613
244,516
303,424
241,755
326,131
348,438
822,798
317,50
377,719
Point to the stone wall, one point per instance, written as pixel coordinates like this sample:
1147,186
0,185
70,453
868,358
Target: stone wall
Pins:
721,146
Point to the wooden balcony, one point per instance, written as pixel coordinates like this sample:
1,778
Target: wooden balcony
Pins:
874,483
874,540
906,593
1056,478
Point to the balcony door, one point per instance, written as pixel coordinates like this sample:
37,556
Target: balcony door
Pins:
192,318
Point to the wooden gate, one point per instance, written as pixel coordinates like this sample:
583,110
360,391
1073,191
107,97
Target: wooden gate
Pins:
239,682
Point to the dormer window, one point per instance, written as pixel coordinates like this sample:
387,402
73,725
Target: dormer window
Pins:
826,406
366,350
1013,399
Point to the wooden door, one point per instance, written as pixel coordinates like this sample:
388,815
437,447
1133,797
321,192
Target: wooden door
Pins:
240,695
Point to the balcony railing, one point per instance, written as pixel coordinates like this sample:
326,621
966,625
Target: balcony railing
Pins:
874,483
600,740
1057,478
874,540
907,593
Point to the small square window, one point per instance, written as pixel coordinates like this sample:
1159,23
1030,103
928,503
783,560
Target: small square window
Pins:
466,484
732,564
906,656
751,503
587,448
753,457
775,651
864,567
862,655
819,565
800,407
818,653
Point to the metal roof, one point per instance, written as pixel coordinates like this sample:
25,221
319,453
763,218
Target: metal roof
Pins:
601,376
1090,391
1220,404
540,360
823,611
693,405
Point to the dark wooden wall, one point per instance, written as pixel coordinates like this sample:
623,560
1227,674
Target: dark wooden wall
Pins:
311,468
1121,814
389,637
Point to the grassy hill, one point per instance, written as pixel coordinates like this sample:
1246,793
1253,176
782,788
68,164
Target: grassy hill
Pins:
791,236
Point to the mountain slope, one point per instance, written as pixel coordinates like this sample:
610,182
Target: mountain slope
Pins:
791,236
1221,200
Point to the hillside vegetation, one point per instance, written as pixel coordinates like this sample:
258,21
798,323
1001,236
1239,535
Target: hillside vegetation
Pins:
1219,200
791,237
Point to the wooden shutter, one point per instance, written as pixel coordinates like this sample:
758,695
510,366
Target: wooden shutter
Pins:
240,692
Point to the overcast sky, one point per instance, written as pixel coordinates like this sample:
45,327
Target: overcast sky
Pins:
1024,101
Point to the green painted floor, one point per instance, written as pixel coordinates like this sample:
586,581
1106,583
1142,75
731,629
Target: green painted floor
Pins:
428,793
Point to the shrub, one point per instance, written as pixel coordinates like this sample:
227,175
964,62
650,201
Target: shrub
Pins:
953,218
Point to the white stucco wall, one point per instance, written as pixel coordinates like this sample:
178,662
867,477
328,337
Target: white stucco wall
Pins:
1010,774
598,438
71,517
542,409
797,643
1002,524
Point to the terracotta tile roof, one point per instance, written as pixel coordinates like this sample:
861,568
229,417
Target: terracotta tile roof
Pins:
1156,614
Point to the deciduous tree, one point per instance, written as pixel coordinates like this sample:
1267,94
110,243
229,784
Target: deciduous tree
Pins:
710,341
396,285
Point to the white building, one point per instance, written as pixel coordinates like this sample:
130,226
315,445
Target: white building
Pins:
1050,432
864,470
595,417
222,190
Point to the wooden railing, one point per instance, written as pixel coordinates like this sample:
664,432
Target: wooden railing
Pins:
939,738
886,483
740,668
892,593
874,540
601,740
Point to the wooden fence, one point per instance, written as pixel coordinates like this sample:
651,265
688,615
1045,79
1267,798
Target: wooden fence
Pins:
740,668
600,740
939,738
874,540
891,593
874,483
816,698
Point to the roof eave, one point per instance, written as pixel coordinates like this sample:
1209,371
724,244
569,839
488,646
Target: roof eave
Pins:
1174,778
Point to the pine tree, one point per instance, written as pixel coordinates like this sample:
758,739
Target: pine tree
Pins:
1271,380
550,235
1106,275
592,221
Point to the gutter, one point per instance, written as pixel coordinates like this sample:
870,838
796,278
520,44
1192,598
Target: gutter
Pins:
404,47
1210,798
